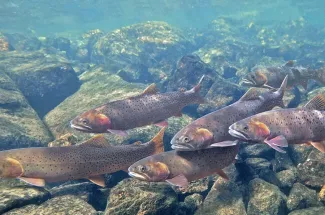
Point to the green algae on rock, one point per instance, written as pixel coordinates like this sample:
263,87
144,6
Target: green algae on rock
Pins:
68,205
16,197
265,198
45,80
131,196
99,87
19,125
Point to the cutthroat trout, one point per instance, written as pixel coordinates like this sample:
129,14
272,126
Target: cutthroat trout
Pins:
147,108
277,128
271,77
88,160
211,130
179,168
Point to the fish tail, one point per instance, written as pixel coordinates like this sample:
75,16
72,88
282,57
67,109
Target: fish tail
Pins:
196,90
281,91
158,142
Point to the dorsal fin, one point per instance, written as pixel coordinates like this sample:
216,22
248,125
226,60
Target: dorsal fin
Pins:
158,141
316,103
251,94
98,141
290,63
151,89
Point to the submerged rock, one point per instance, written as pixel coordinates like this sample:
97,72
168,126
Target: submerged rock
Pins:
131,196
4,43
99,87
45,80
21,42
224,198
301,197
287,178
149,44
16,197
309,211
68,205
265,198
19,125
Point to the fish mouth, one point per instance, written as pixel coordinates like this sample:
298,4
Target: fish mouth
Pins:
238,134
137,176
246,82
80,127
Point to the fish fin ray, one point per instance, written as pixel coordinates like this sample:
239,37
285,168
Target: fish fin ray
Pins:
98,141
251,94
196,90
158,141
222,174
318,145
277,142
98,180
39,182
163,123
151,89
180,181
118,132
316,103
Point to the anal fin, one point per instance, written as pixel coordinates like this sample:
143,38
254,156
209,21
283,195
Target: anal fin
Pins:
162,123
180,181
33,181
222,174
98,179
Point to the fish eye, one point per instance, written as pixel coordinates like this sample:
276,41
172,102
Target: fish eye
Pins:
84,121
142,168
186,139
246,128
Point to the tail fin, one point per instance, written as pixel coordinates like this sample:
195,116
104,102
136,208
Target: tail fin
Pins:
196,91
158,142
281,90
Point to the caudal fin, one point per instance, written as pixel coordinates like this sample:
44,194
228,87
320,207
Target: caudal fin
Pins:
196,90
281,90
158,142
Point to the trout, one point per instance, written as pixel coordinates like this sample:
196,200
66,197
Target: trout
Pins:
90,160
150,107
180,167
211,130
271,77
278,128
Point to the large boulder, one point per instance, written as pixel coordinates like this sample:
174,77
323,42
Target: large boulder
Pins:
265,198
150,45
309,211
19,125
45,80
131,196
99,87
68,205
15,197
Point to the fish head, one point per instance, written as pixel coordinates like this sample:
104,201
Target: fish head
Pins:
10,168
91,121
256,78
250,130
151,171
192,138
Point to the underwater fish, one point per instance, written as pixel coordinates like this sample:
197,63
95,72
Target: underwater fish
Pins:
271,77
180,167
90,160
212,129
150,107
277,128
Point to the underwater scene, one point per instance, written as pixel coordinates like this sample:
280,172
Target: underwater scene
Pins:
152,107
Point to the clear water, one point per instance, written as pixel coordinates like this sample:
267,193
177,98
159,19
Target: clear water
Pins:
61,58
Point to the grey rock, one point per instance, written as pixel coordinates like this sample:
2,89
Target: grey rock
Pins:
257,165
256,151
287,178
16,197
301,197
282,161
309,211
299,152
265,199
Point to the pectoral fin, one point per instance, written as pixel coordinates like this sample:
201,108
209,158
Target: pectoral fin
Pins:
98,179
180,181
318,145
222,174
275,143
33,181
162,124
118,132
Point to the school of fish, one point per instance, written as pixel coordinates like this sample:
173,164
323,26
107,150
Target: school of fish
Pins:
203,148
